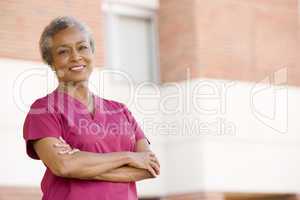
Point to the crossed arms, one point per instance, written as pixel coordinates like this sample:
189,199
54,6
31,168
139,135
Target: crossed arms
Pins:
66,162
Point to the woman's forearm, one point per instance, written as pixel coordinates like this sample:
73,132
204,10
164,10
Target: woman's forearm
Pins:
117,166
124,174
85,165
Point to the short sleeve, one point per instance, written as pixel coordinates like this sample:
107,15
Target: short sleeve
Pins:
139,134
40,123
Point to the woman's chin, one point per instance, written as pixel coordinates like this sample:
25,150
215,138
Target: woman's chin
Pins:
74,79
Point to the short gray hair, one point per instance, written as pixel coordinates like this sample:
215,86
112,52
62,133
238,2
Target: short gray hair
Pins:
56,25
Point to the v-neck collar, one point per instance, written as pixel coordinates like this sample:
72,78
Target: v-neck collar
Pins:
92,115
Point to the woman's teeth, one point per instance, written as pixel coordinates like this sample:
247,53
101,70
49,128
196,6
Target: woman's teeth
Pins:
77,68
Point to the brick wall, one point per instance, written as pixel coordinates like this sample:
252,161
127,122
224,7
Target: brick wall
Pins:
229,39
177,36
22,22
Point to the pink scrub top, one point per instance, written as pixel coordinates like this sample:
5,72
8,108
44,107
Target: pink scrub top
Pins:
111,128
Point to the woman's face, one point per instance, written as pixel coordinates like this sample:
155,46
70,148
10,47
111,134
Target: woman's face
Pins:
72,56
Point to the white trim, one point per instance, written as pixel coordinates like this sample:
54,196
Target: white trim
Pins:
112,11
127,10
155,53
145,4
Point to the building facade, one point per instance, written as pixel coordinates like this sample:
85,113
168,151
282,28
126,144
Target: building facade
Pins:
179,42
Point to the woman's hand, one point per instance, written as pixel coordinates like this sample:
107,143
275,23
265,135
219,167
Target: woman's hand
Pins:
145,160
64,147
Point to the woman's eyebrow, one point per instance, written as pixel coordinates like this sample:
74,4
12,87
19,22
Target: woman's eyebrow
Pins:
67,46
82,41
61,46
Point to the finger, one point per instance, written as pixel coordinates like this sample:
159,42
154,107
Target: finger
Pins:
76,150
60,145
156,162
155,167
152,172
57,144
151,153
73,151
154,159
68,151
64,151
61,139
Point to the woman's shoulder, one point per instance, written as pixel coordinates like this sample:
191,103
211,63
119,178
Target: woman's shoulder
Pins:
111,104
40,102
45,102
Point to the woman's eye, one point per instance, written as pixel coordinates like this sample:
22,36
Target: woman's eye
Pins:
61,52
83,47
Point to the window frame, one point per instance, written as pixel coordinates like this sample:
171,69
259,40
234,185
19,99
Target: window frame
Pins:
112,12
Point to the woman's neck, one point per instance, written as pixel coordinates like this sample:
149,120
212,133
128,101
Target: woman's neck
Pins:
78,90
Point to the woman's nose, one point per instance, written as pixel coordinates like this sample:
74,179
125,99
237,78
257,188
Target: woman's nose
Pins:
75,55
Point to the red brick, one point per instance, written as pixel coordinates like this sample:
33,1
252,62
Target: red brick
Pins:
22,22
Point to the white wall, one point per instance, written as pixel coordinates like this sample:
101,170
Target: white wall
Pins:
259,151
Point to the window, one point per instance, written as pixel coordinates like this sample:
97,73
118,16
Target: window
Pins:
131,41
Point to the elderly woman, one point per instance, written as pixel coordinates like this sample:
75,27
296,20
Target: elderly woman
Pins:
92,147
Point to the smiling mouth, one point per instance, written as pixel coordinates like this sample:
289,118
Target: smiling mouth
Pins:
77,68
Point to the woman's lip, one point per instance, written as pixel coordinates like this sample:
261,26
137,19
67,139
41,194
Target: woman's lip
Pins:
77,67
